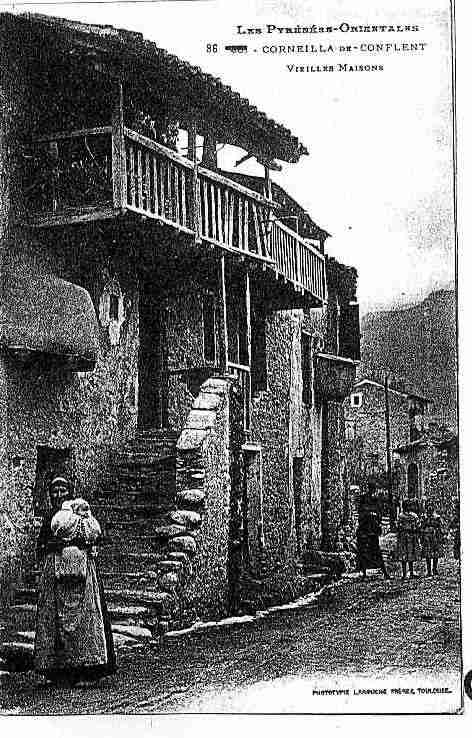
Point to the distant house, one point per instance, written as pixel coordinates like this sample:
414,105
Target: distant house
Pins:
366,425
427,469
173,339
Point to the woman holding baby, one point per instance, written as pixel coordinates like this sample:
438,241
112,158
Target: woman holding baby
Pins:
74,643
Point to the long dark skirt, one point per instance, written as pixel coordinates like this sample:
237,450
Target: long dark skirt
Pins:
369,555
73,632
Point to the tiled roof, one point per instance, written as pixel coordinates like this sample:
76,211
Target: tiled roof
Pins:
131,48
400,387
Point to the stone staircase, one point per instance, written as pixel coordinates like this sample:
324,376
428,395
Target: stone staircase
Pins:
146,553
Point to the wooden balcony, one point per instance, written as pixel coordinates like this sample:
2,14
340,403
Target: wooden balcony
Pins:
95,174
334,376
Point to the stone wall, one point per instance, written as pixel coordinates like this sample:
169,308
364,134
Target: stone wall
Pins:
287,429
335,509
204,486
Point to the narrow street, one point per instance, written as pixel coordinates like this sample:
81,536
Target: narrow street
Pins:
408,633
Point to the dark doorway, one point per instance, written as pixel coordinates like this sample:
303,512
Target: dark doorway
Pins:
50,463
412,480
153,370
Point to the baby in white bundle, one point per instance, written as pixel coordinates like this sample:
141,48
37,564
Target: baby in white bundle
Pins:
74,521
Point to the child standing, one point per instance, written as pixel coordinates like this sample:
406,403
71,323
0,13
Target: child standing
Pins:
408,540
432,534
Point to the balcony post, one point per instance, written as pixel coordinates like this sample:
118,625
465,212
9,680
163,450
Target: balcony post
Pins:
209,160
195,201
267,183
222,316
249,348
270,216
118,149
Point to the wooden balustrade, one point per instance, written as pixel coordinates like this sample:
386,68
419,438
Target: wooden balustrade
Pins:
127,171
233,216
297,260
159,182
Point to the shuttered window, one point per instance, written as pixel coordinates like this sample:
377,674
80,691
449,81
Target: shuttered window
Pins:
349,331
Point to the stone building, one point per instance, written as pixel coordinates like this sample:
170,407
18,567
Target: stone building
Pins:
428,469
167,340
366,425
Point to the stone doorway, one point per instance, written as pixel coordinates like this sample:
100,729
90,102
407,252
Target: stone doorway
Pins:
153,365
412,480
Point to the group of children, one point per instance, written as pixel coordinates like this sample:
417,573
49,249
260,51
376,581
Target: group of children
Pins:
417,537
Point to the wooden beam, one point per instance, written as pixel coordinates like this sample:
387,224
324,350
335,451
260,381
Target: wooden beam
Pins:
223,317
249,342
209,158
195,198
267,183
118,149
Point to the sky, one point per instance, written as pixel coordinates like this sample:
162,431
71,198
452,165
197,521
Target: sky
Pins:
378,176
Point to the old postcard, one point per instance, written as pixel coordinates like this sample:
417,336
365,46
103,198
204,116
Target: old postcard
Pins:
229,451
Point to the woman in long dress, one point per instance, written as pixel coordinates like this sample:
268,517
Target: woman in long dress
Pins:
369,555
408,538
74,642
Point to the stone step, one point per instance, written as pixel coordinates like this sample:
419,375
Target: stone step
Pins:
163,454
312,570
129,579
24,595
22,617
131,528
17,655
160,602
122,607
140,469
17,652
119,560
164,451
136,493
113,545
317,579
123,509
129,613
136,632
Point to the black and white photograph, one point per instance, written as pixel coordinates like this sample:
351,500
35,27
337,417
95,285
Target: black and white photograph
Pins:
229,417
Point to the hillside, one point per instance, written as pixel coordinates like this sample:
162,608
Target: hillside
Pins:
418,342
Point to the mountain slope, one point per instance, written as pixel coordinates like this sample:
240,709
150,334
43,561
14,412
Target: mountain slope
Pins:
418,342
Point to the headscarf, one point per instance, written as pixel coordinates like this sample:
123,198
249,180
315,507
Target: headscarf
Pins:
62,481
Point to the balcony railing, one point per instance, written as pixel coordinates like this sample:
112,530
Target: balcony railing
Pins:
92,173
